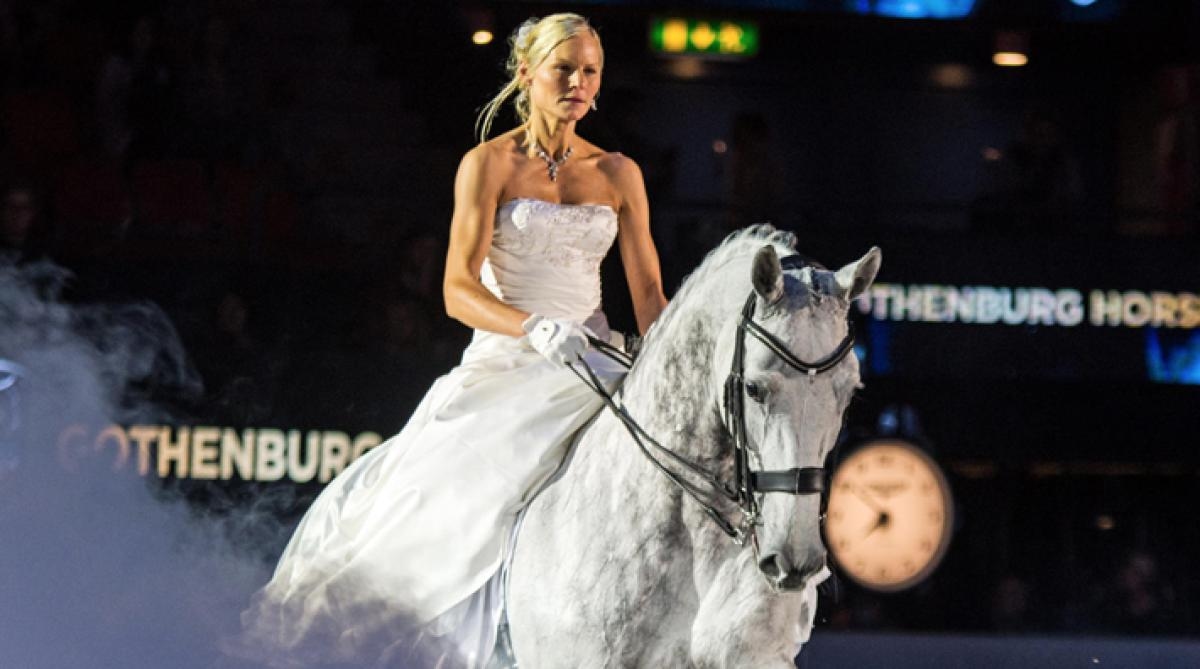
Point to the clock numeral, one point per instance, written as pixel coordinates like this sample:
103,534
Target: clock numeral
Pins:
935,516
926,545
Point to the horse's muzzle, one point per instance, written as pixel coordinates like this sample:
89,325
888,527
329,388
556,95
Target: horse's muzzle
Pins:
783,576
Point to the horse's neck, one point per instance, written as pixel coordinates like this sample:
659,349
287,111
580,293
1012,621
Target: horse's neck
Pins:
673,389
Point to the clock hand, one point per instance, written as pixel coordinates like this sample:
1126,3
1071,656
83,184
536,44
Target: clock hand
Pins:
882,521
868,500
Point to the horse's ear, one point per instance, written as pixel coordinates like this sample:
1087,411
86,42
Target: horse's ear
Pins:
767,275
856,277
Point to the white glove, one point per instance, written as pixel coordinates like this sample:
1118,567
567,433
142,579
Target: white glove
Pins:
559,340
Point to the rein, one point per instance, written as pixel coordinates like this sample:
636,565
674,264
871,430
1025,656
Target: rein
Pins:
747,483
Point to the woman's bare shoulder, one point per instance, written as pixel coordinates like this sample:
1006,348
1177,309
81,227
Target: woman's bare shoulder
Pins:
616,162
494,151
490,161
621,170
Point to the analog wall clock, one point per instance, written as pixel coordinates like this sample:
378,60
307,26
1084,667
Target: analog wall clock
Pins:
890,515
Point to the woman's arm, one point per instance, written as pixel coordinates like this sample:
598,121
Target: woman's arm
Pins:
638,255
476,191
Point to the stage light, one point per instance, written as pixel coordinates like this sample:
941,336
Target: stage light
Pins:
1010,59
915,9
952,76
687,67
1011,48
1091,11
481,37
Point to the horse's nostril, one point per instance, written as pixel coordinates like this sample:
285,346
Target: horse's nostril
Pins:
795,580
770,565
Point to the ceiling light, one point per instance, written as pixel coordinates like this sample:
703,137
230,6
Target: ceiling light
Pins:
1011,48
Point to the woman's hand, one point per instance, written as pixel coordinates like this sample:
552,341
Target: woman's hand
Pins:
559,340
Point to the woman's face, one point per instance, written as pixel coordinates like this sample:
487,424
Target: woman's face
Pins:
564,84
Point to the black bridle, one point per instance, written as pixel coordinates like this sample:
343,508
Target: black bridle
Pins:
750,483
747,483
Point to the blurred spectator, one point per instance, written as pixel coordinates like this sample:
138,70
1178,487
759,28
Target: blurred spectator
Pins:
22,233
1010,605
755,178
622,113
375,377
10,46
420,270
1139,600
859,610
26,30
135,96
1036,186
213,104
1177,149
237,369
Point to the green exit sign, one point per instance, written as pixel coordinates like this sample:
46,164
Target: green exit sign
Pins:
679,36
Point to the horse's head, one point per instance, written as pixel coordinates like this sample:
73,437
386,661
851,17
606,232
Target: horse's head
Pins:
793,415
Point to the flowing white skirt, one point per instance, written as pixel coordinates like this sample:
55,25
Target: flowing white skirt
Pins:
397,550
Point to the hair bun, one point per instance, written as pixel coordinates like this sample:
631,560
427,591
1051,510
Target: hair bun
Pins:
521,37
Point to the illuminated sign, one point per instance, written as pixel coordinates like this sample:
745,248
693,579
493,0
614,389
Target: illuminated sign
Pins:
218,453
1064,307
725,39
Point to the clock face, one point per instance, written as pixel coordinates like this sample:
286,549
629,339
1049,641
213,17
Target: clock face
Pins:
889,516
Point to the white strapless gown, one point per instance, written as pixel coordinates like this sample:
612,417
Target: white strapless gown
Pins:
411,536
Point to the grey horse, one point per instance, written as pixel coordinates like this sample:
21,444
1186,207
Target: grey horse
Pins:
615,566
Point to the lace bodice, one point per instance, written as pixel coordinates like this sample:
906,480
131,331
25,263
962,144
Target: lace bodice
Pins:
545,257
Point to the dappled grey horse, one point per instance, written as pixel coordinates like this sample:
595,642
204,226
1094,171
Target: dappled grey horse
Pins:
644,559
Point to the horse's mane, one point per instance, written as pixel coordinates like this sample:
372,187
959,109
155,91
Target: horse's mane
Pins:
742,244
738,246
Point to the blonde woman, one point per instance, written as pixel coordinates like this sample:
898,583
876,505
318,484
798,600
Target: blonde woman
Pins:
406,545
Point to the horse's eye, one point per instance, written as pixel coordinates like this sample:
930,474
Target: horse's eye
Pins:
756,391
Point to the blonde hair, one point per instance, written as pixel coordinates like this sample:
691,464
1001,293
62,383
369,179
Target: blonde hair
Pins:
530,44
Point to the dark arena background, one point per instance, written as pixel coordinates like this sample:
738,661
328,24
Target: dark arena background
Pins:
220,282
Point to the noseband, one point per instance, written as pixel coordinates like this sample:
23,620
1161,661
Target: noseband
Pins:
747,483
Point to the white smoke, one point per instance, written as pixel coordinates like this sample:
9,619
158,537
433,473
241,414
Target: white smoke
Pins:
101,568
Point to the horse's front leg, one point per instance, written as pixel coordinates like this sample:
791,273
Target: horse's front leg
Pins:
744,623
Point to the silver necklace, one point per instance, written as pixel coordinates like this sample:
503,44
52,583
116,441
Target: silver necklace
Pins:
552,165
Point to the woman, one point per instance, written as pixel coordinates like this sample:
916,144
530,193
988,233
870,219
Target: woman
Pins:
414,533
